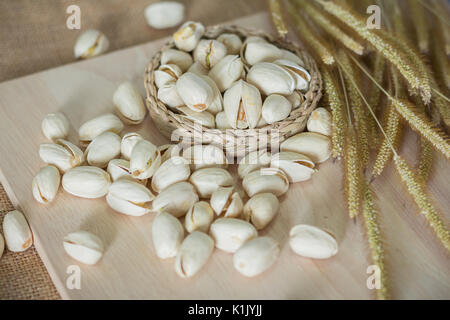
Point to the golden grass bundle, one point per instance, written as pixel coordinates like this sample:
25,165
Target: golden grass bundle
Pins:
420,25
425,159
353,174
277,17
378,70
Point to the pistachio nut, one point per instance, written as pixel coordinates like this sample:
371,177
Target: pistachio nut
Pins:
261,209
180,58
84,247
271,78
231,41
90,43
288,55
216,105
275,108
129,103
169,150
252,161
171,171
17,232
102,149
271,180
199,217
296,166
145,159
204,118
176,199
320,121
168,95
129,197
312,242
128,142
63,154
55,126
226,203
195,92
167,235
2,245
230,234
222,121
208,180
193,254
188,35
86,182
260,51
227,71
198,69
167,73
208,52
120,168
296,99
94,127
45,184
204,156
314,145
300,75
165,14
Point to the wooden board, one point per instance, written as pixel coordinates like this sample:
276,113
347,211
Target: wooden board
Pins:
418,265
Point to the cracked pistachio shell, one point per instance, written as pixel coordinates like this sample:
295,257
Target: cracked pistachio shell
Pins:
296,99
145,159
320,121
86,182
188,35
271,78
62,154
204,118
275,108
198,69
254,160
242,105
169,150
300,75
312,242
226,203
167,73
208,180
290,56
193,254
17,232
102,149
296,166
165,14
2,245
84,247
167,235
261,209
231,41
182,59
128,142
222,121
129,103
199,217
94,127
227,71
168,95
230,234
314,145
208,52
260,51
272,180
256,256
55,126
204,156
45,184
90,43
216,105
120,168
195,92
171,171
176,199
129,197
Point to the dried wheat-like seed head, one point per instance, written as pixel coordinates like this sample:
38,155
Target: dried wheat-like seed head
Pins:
353,174
425,159
379,67
277,17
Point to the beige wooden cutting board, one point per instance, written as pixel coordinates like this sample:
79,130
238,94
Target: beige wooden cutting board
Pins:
418,266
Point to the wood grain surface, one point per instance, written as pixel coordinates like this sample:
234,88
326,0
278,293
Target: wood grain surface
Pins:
418,266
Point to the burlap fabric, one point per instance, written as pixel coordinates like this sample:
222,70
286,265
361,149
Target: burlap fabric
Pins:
34,37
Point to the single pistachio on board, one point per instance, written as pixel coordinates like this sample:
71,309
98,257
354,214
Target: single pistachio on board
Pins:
208,180
145,159
86,182
231,41
45,184
176,199
205,156
296,99
300,75
227,71
275,108
312,242
129,197
226,203
170,150
208,52
55,126
230,234
129,103
259,51
222,121
198,69
94,127
167,235
17,232
102,149
188,35
165,14
90,43
120,168
256,256
314,145
128,142
2,245
171,171
193,254
195,92
252,161
319,121
167,73
242,104
62,154
271,78
84,247
261,209
272,180
288,55
216,105
199,217
296,166
172,56
168,94
204,118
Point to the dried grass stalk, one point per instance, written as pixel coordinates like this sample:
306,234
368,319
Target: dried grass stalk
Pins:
277,17
440,61
379,67
425,159
440,6
420,24
353,174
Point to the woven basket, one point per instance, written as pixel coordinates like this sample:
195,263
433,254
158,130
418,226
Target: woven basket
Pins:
235,142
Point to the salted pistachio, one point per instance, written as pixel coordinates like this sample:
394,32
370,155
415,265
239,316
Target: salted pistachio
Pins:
169,150
84,247
63,154
300,75
208,52
55,126
129,197
45,184
242,104
320,121
193,254
129,103
226,203
168,94
86,182
2,245
208,180
204,118
312,242
176,199
90,43
275,108
188,35
216,105
199,217
313,145
259,51
120,168
288,55
102,149
296,99
167,235
145,159
227,71
231,41
128,142
17,232
272,180
296,166
165,14
271,78
172,56
222,121
252,161
167,73
256,256
94,127
195,92
198,69
261,209
230,234
171,171
204,156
